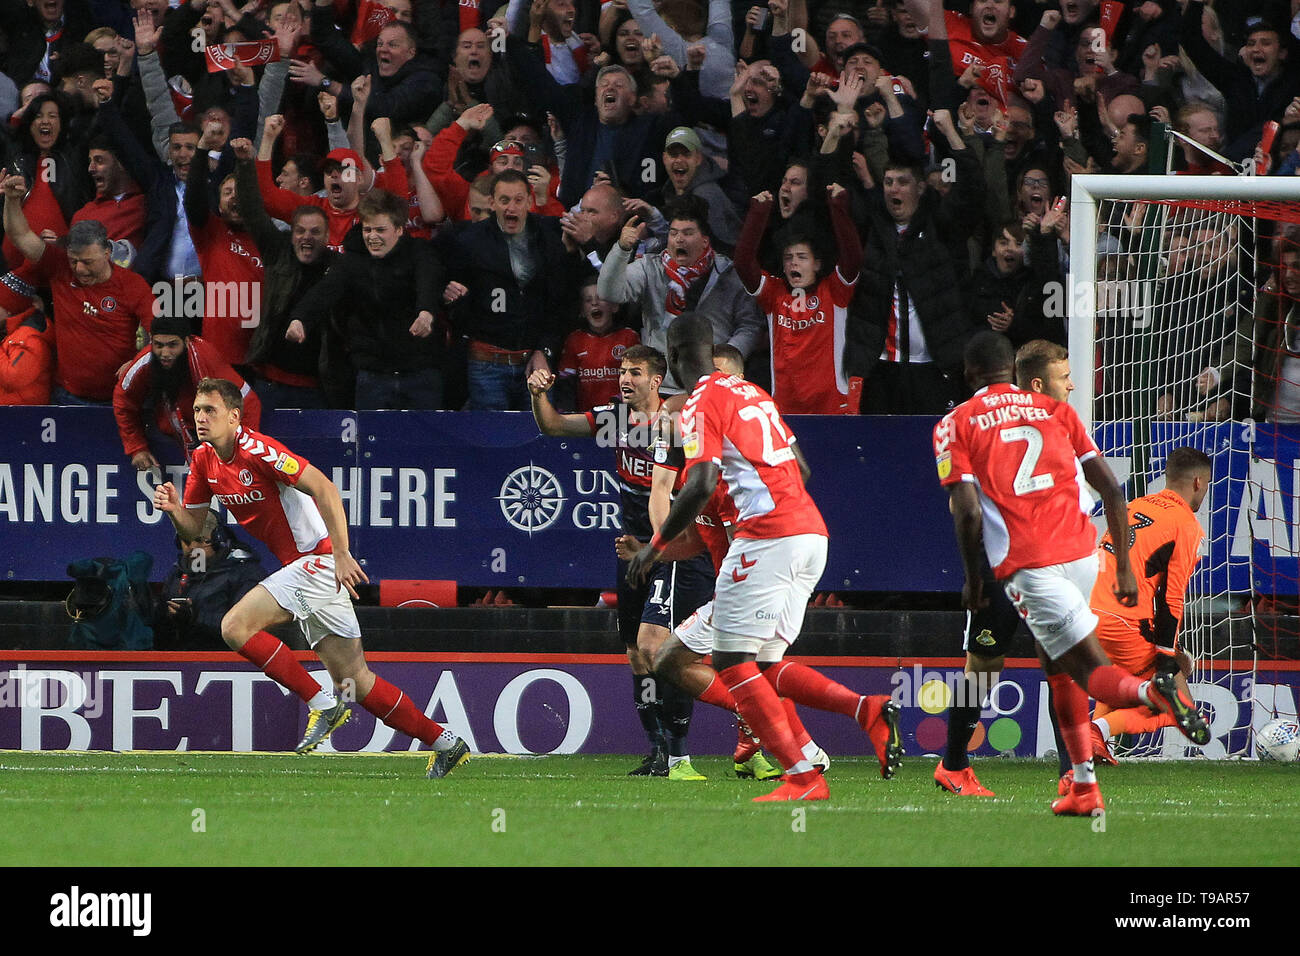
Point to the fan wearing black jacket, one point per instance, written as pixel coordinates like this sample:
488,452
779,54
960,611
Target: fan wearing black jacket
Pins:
385,289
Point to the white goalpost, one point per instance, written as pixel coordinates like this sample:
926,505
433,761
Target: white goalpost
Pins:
1179,297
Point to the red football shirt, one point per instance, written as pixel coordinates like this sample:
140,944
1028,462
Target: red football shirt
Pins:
257,485
595,361
123,216
999,59
43,212
735,424
94,325
281,203
232,287
1022,451
807,336
718,513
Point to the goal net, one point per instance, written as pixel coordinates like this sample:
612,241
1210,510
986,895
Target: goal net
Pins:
1184,300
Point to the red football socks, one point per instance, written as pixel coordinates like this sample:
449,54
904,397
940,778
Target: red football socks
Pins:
398,711
276,662
804,685
763,712
797,729
1114,686
718,695
1071,705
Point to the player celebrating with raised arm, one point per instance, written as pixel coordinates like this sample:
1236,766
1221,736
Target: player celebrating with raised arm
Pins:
291,506
731,430
646,614
1009,460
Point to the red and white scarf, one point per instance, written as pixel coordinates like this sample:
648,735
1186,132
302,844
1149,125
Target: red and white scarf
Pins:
681,278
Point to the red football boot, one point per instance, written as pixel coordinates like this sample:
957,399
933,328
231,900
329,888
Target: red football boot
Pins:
963,783
1083,800
1101,748
879,718
1063,785
802,786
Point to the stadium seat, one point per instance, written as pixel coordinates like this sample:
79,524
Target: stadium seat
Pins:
396,593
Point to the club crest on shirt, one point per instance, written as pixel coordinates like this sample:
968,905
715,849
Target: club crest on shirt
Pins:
108,303
287,464
246,478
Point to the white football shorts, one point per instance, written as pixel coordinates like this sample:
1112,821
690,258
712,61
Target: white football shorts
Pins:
306,590
1054,602
762,593
696,632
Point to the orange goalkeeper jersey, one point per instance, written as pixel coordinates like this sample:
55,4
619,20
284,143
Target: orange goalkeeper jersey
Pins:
1164,541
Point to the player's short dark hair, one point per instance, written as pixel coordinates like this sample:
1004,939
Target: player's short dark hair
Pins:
729,353
906,166
690,329
1012,227
406,28
1141,124
381,203
1185,461
305,210
647,81
105,144
507,176
689,209
308,164
1033,358
654,360
183,129
76,59
229,393
987,353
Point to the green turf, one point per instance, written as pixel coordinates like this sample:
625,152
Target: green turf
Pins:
140,809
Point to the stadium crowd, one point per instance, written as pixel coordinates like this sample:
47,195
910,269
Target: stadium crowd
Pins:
418,203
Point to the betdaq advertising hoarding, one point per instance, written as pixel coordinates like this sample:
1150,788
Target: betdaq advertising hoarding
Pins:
531,704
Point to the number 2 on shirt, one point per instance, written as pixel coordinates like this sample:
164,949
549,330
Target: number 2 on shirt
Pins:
1026,481
765,414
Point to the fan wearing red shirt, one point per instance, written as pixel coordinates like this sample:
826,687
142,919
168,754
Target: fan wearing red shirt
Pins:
983,39
97,306
807,311
509,153
163,376
1011,461
344,172
231,264
592,357
732,431
288,504
118,202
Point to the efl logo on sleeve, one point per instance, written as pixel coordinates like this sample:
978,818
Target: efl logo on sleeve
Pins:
287,464
944,461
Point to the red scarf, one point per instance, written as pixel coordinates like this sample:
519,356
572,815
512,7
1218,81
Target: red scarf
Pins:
579,51
681,278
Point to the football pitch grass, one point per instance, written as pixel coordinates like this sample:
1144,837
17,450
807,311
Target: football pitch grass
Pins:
200,809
